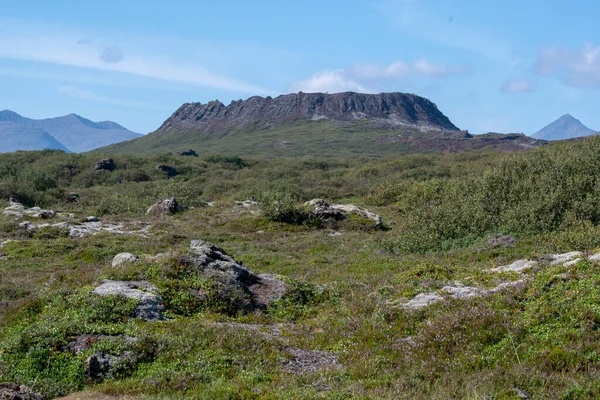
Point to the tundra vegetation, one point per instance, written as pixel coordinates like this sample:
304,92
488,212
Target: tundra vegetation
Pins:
343,328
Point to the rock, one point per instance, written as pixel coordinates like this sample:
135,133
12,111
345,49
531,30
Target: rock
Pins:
13,391
556,259
102,365
167,169
19,210
506,285
322,210
249,290
123,259
91,218
461,292
518,266
573,262
73,197
594,257
352,209
267,289
311,361
422,300
150,303
334,234
87,228
170,206
189,153
246,203
105,165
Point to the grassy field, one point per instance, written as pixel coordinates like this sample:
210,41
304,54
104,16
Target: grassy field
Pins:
450,218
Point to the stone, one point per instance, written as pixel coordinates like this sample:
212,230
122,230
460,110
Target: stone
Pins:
102,365
167,169
17,209
461,292
352,209
518,266
91,218
189,153
573,262
73,197
150,303
13,391
105,165
170,206
124,259
266,289
422,300
594,257
556,259
322,210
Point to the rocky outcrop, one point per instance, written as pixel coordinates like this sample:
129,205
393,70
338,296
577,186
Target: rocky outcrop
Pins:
13,391
385,110
324,211
168,170
150,303
189,153
105,165
103,365
124,259
169,206
16,209
87,228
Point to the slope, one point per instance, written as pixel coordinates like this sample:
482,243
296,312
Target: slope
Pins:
14,136
566,127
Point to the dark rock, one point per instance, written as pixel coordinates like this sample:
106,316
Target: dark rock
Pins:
189,153
386,110
13,391
102,365
170,206
167,169
324,211
105,165
91,218
73,197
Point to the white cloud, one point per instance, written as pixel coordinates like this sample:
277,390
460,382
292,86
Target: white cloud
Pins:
369,77
79,93
580,68
51,46
517,86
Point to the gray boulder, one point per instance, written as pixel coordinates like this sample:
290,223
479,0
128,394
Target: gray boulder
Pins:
150,303
103,365
105,165
123,259
170,206
13,391
324,211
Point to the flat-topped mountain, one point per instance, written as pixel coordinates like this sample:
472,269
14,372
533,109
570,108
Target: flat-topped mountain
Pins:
70,132
384,110
566,127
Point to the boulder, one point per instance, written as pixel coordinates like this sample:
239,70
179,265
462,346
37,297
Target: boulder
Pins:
73,197
150,303
518,266
170,206
91,218
167,169
13,391
422,300
103,365
123,259
556,259
189,153
324,211
17,209
266,289
105,165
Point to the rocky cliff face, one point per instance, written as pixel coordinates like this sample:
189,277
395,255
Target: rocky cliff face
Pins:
385,110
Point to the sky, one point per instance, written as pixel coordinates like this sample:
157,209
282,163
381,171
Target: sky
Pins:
490,66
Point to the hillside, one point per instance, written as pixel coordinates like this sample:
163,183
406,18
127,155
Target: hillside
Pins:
316,125
566,127
15,136
75,133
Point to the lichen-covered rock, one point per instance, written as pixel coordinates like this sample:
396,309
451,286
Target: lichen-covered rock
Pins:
556,259
150,303
324,211
105,165
169,206
422,300
17,209
123,259
266,289
518,266
13,391
103,365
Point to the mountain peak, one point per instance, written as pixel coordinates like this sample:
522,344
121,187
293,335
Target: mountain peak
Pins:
385,110
11,116
566,127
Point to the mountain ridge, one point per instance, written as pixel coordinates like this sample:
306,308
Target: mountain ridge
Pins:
565,127
74,132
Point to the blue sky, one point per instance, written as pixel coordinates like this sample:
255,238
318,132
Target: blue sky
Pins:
503,66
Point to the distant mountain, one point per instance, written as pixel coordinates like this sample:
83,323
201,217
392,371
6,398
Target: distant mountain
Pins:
15,136
566,127
384,110
72,132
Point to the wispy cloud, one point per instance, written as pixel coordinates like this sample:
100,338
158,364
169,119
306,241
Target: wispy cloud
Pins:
574,68
50,46
517,86
73,91
369,77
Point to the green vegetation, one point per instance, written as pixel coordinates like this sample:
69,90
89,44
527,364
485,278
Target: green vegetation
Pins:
451,218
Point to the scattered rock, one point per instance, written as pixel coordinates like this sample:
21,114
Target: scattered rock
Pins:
103,365
167,169
123,259
91,218
73,197
362,212
310,361
518,266
150,303
13,391
556,259
324,211
17,209
105,165
422,300
461,292
189,153
88,228
170,206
